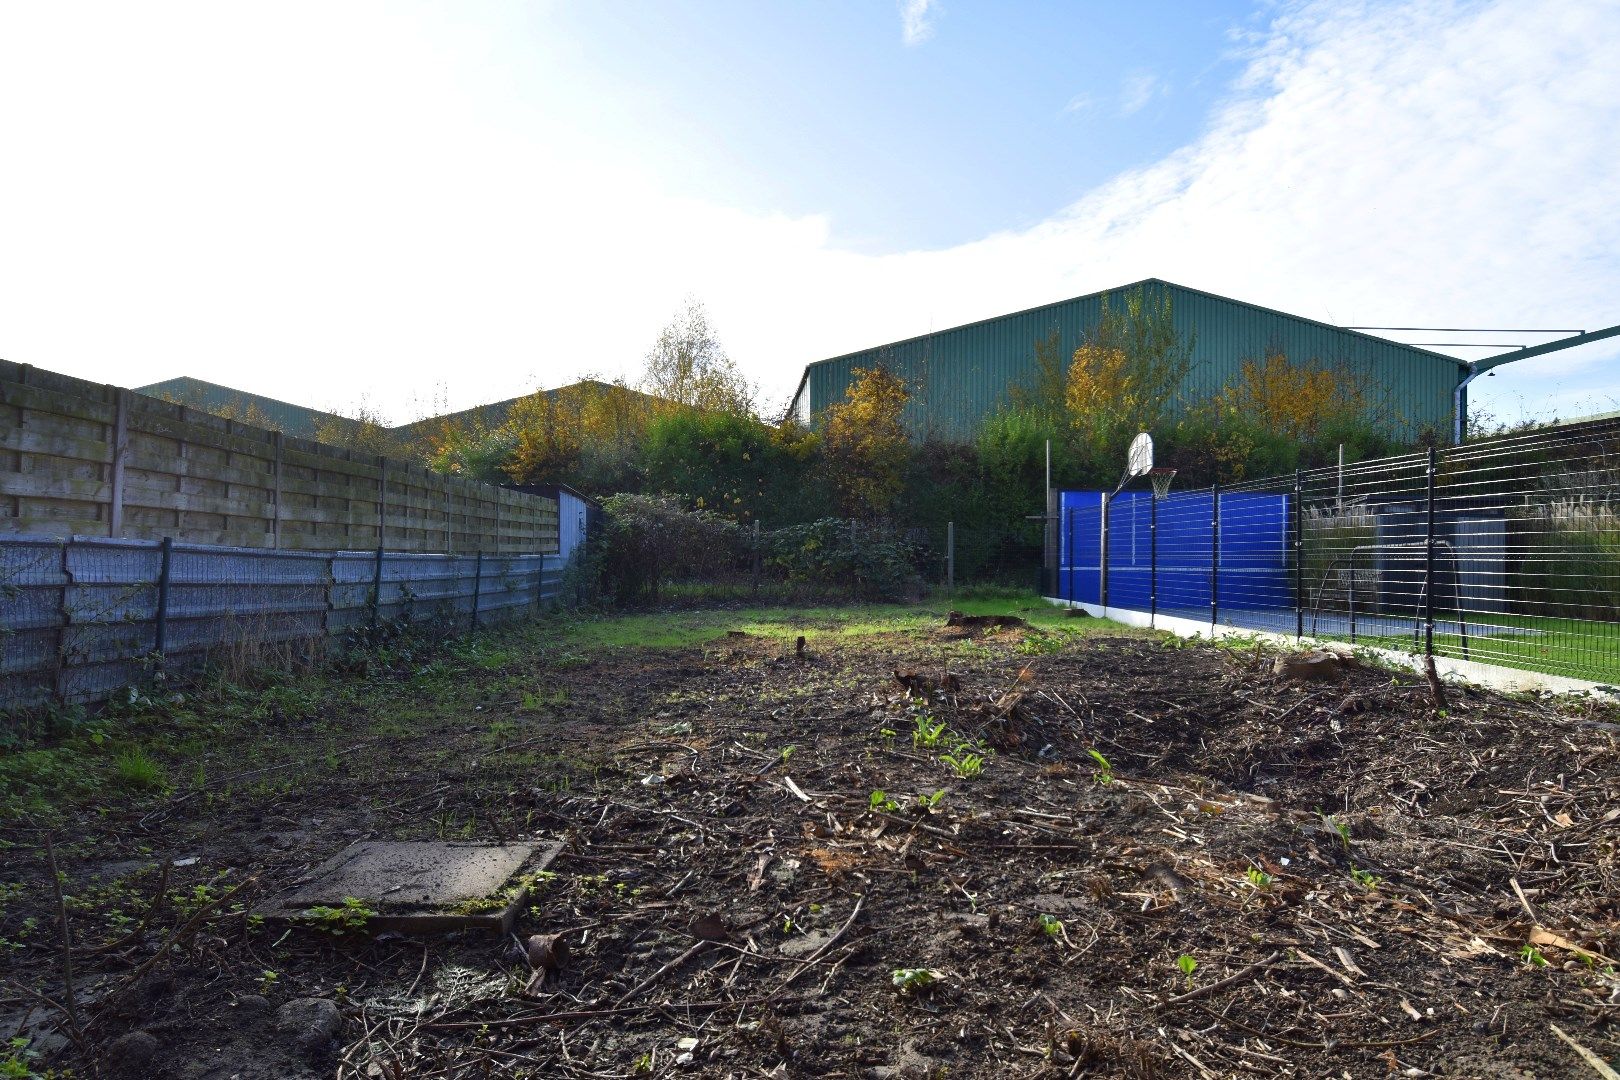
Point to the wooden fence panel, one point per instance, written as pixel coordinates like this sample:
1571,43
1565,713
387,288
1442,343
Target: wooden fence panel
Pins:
80,458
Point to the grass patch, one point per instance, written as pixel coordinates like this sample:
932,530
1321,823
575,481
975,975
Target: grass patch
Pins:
138,772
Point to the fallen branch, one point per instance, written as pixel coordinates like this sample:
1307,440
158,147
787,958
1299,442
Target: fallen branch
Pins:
636,990
1598,1065
69,1004
1215,987
816,956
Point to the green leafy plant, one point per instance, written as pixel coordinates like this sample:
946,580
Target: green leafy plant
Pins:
17,1064
1366,878
1104,773
928,802
913,981
929,732
967,764
1339,827
787,752
880,800
1188,965
1258,878
352,915
1532,956
267,981
1051,925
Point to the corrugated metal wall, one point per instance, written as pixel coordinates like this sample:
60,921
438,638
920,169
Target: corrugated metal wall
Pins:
959,376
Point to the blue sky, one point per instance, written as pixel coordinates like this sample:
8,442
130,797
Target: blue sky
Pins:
428,205
996,116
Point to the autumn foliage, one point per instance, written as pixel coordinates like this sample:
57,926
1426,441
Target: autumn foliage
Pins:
866,444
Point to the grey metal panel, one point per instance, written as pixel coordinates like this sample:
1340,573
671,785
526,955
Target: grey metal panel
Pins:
959,376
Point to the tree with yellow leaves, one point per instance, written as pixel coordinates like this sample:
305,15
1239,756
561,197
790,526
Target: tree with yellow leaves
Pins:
1127,374
865,443
1294,400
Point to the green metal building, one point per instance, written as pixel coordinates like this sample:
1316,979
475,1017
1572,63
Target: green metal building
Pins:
959,376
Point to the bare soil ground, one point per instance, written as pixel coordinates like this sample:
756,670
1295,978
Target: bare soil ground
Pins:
1170,863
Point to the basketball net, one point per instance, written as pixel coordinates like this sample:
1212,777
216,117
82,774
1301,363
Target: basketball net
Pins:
1160,478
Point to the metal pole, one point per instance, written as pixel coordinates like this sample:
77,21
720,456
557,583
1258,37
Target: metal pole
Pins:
1102,583
1153,560
1214,555
478,581
1339,499
756,555
950,558
165,561
1428,560
1299,556
1049,526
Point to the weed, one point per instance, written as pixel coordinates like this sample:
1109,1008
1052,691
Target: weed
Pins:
928,733
913,981
352,915
879,800
967,765
1339,827
1187,965
787,752
1258,878
138,772
1366,879
1051,925
1532,956
16,1065
267,981
1104,773
928,802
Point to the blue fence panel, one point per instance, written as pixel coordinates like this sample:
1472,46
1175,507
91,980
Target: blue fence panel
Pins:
1254,564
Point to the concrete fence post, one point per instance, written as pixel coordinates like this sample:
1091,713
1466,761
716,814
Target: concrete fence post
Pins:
165,563
950,558
376,589
120,450
275,495
478,581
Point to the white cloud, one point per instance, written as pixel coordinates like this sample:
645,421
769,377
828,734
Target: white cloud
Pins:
1080,104
319,216
1139,90
917,20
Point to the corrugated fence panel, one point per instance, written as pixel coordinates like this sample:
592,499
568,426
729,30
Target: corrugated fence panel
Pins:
79,617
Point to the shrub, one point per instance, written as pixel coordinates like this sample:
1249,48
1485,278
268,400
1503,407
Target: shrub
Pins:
648,539
825,556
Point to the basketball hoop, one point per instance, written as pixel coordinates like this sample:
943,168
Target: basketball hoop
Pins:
1139,458
1160,478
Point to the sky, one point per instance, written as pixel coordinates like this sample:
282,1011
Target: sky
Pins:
418,207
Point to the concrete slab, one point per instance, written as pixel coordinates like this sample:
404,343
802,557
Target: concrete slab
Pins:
421,886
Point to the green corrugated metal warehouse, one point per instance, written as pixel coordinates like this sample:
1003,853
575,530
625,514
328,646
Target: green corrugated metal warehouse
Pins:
959,376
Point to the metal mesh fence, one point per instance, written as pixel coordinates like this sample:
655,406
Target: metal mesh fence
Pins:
1504,552
83,617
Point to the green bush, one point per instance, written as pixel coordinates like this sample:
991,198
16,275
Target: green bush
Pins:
824,556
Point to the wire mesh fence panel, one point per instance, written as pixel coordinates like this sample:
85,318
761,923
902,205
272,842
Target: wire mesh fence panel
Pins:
1504,552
